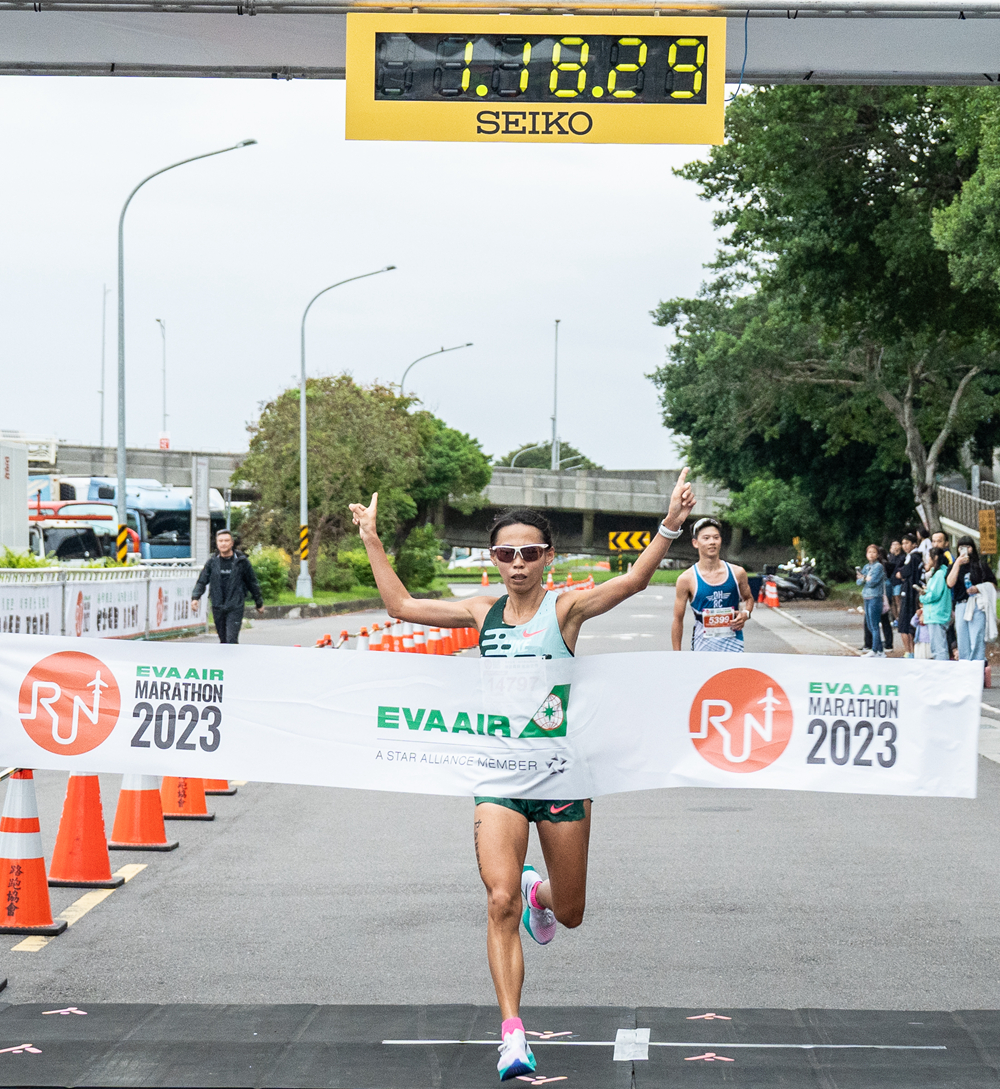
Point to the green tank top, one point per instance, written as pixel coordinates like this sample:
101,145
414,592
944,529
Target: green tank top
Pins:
539,638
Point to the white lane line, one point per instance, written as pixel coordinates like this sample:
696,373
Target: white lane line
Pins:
817,631
990,710
679,1043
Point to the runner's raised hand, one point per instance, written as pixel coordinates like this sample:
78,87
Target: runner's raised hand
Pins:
682,502
364,518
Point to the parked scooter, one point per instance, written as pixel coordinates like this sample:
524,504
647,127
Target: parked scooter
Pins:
794,580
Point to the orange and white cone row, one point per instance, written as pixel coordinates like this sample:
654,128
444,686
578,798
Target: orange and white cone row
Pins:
80,857
27,909
139,817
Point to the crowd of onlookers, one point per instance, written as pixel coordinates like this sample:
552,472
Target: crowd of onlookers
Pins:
942,602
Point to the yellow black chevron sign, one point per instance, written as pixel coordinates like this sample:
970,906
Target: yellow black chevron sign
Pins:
627,542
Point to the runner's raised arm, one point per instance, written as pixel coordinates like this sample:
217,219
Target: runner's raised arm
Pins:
398,601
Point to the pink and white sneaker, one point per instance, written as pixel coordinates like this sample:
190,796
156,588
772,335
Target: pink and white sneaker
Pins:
540,923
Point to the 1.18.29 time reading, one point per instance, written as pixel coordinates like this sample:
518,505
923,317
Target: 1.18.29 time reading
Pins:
540,68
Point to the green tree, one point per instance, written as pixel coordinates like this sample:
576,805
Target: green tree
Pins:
832,330
361,439
539,456
453,468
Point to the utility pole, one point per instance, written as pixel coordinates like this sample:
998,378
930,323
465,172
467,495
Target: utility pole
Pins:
555,403
163,333
104,330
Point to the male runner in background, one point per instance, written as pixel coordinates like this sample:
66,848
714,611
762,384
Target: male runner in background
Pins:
719,594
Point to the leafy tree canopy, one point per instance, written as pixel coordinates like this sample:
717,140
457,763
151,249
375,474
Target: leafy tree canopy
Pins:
539,456
362,439
832,351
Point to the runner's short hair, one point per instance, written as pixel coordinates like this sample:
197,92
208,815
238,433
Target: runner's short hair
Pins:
700,525
521,517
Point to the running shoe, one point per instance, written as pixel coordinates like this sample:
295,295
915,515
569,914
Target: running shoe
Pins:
540,923
515,1056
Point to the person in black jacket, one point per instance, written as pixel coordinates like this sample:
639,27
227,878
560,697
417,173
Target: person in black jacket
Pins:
231,579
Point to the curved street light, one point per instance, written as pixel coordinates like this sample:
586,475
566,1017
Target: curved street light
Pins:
303,584
427,356
120,490
526,450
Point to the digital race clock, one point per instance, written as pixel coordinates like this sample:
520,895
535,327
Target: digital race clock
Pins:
535,78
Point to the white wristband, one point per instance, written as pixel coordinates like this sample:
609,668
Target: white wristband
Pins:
670,534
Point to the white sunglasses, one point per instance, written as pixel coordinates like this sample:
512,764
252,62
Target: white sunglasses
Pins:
529,553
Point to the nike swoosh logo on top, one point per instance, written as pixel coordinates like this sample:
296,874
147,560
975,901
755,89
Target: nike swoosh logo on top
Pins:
529,634
559,809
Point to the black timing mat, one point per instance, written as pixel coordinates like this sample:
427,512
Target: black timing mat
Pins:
454,1047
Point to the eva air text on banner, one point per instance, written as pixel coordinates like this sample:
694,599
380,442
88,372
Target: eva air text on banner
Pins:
527,727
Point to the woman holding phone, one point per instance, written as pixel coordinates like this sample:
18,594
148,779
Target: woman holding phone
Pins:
968,578
526,621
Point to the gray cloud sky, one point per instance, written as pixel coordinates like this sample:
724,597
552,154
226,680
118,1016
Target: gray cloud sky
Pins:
491,242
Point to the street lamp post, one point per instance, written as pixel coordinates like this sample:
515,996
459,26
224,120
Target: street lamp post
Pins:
427,356
104,329
555,403
526,450
120,489
163,333
303,584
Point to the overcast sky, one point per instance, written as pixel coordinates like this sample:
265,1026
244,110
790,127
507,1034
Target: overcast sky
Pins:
492,243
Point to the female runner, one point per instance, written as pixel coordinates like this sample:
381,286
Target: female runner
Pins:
526,621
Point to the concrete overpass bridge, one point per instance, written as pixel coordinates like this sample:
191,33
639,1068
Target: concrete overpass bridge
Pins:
584,505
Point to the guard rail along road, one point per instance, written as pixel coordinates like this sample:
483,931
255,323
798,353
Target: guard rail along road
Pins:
102,603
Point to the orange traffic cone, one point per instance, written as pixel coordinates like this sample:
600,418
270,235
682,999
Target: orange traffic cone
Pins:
473,637
760,595
139,817
419,642
363,640
771,595
447,641
375,639
549,584
218,786
408,647
22,865
485,580
397,636
184,799
434,641
80,857
569,580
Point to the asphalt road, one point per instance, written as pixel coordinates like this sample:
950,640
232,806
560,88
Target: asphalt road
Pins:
697,898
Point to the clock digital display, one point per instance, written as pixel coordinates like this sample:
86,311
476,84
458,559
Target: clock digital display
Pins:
536,78
559,70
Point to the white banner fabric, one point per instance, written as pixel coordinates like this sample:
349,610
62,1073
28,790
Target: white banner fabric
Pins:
523,727
31,610
106,609
170,603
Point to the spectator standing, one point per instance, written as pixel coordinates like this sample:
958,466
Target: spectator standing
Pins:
892,564
940,540
908,576
871,579
974,587
936,604
923,543
230,579
886,618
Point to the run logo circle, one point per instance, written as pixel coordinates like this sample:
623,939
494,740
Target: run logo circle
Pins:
741,720
69,703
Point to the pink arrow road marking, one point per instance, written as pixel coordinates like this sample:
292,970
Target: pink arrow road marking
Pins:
709,1057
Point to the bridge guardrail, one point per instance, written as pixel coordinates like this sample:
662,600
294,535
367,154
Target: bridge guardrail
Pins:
100,603
963,508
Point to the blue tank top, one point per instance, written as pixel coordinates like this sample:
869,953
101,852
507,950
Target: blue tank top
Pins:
724,596
540,637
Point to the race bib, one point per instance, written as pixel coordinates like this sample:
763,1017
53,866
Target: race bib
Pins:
716,622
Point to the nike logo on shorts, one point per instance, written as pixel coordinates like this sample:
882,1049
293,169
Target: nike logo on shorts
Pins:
558,809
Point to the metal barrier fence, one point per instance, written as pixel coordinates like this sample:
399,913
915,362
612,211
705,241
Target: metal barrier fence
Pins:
963,508
102,603
990,491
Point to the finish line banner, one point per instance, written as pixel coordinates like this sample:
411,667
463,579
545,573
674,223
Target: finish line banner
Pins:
506,727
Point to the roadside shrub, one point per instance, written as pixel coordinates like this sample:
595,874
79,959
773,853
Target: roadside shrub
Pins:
417,564
10,558
271,565
333,575
357,562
